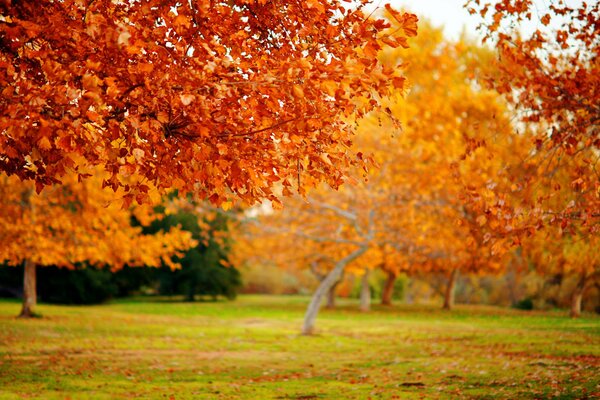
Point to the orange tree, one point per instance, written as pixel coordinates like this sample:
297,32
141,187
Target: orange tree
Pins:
223,99
76,223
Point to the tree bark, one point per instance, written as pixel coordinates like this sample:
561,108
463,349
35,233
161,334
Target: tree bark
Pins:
388,289
331,294
450,289
29,291
333,276
365,291
577,297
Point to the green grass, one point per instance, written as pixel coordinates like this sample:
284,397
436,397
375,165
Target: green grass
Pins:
250,349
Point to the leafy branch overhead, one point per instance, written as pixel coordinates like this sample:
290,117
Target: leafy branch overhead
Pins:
221,99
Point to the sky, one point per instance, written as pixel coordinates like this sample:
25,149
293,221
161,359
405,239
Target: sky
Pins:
449,13
454,17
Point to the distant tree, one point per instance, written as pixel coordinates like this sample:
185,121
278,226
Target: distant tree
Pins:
567,256
83,285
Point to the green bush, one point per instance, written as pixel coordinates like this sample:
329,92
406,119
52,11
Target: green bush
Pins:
202,271
525,304
80,286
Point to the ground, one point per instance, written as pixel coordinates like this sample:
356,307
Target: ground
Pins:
251,349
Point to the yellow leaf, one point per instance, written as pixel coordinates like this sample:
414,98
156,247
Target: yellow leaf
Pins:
481,220
298,91
44,143
138,154
329,87
145,67
187,99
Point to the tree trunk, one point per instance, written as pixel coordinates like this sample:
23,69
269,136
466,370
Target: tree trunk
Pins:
365,292
577,297
331,294
450,288
29,291
388,289
332,277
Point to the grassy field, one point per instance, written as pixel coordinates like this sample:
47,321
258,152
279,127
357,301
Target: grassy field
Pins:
250,349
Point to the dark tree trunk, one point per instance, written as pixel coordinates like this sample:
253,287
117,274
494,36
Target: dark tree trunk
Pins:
29,291
332,277
388,289
450,289
365,292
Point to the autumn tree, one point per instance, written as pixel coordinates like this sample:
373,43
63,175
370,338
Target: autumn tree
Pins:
223,99
392,264
74,223
410,208
548,61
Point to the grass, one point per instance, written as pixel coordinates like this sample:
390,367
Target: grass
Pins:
250,349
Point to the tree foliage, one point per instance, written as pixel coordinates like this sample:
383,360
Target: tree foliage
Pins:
549,68
73,223
217,98
78,222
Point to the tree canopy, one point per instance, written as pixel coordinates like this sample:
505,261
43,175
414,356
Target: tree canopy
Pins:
223,99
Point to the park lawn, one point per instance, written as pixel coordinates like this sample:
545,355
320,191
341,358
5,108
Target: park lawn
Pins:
251,349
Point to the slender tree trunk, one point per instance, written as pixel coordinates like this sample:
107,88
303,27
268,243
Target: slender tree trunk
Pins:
332,277
365,291
388,289
577,297
450,289
331,294
29,291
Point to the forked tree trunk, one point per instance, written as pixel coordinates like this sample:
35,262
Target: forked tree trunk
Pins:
577,297
450,289
365,292
388,289
332,277
29,291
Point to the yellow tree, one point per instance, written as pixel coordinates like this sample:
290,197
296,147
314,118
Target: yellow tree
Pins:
73,223
455,149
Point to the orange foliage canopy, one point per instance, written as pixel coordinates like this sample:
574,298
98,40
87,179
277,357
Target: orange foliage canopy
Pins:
220,98
77,222
549,61
553,72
